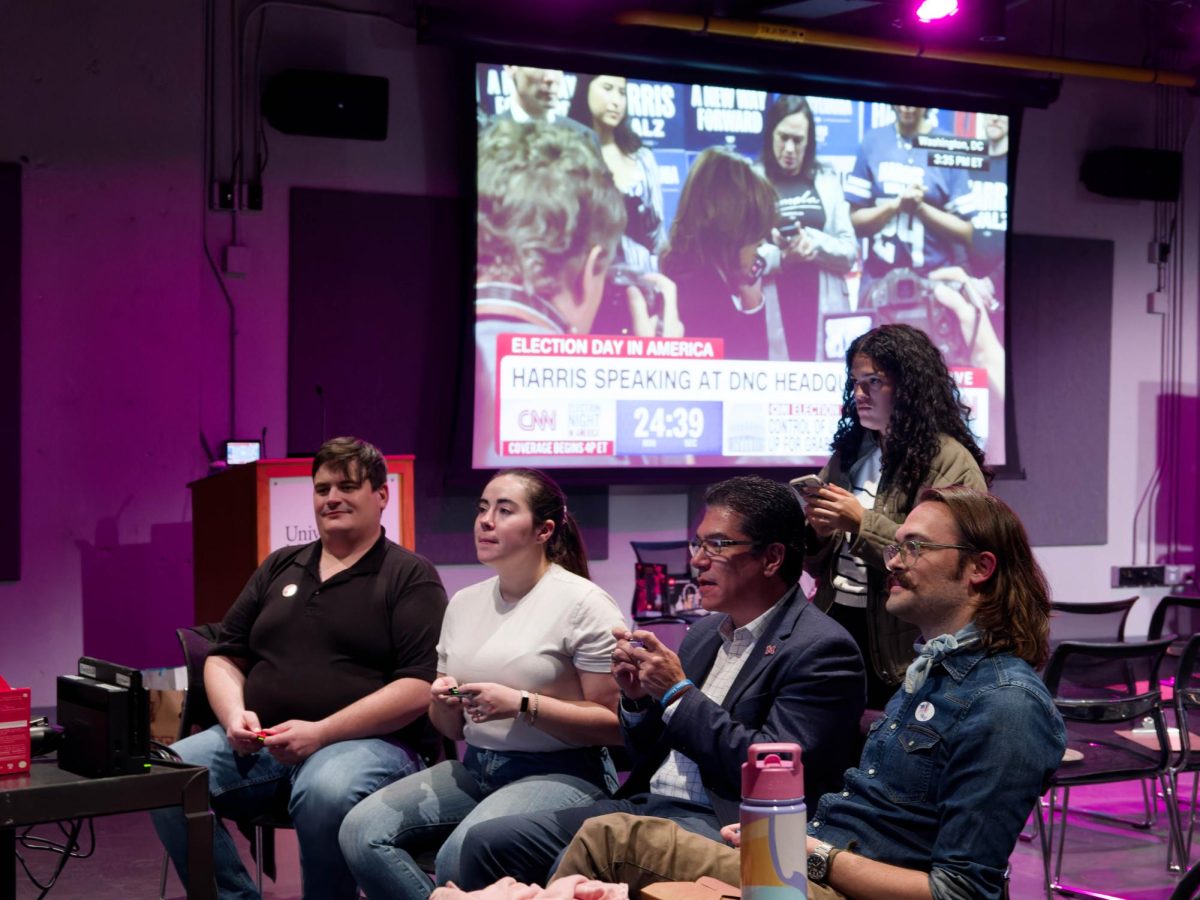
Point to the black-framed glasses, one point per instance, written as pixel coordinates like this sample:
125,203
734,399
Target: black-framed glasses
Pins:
910,551
714,547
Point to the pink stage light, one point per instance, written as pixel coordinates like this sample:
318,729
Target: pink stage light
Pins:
933,10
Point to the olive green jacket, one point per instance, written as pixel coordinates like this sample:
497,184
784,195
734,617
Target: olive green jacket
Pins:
890,640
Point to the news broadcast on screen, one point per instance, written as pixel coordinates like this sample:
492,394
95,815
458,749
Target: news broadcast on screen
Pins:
669,274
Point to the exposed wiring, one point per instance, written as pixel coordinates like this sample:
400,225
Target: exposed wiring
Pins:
238,32
70,849
1160,500
260,131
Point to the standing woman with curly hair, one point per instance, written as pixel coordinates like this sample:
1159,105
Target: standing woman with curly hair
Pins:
903,427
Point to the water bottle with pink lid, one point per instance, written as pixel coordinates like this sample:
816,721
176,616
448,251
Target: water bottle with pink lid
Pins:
774,824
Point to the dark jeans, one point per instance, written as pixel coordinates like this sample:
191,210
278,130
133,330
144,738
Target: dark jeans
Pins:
854,620
528,847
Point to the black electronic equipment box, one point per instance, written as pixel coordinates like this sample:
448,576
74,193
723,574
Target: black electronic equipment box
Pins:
105,715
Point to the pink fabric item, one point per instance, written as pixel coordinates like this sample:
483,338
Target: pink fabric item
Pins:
572,887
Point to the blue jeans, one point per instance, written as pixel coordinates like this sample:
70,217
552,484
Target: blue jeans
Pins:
323,789
529,847
437,807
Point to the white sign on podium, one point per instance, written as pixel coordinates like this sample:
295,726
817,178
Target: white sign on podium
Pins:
290,501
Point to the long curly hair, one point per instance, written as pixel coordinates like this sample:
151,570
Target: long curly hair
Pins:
926,404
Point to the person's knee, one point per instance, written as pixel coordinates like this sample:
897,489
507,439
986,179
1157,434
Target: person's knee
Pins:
597,842
486,837
611,826
326,791
446,862
332,781
481,846
203,747
386,818
357,830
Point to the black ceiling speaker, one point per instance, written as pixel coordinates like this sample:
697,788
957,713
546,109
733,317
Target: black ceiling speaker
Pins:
1133,173
327,104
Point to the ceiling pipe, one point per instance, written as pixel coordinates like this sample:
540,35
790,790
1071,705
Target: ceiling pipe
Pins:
790,34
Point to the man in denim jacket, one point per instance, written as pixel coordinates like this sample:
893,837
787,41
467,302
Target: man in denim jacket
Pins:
965,748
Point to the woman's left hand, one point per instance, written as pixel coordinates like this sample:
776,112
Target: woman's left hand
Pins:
833,509
666,323
485,701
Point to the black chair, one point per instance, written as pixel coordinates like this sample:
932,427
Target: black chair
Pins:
1185,703
1189,886
196,716
1099,620
1104,692
1102,620
1176,617
673,559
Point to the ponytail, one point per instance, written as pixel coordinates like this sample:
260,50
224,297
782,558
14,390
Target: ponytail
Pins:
566,548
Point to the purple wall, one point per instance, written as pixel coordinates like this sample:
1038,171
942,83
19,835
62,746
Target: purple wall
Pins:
125,332
125,351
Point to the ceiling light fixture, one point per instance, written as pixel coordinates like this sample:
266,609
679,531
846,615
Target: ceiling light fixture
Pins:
934,10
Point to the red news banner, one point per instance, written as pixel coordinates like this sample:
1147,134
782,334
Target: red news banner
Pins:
614,396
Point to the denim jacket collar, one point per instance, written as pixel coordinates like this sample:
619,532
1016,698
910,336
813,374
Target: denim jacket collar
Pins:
959,665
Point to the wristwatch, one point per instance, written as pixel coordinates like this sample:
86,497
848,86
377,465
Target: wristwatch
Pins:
819,862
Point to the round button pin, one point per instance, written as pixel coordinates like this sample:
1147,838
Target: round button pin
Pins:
924,711
290,590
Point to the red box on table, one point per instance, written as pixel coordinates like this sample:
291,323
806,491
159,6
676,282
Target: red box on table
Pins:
14,729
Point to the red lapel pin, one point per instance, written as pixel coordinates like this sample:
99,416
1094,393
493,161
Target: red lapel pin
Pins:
770,651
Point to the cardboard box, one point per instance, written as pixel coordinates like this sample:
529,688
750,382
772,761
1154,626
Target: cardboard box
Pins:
166,710
15,704
168,679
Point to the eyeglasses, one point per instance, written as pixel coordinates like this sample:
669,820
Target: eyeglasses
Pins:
910,551
714,547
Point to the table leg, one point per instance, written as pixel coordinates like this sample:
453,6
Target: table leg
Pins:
8,864
201,885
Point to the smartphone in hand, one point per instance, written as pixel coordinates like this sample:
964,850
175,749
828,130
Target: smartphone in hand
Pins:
807,484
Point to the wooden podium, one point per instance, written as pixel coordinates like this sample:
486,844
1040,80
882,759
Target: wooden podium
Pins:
243,513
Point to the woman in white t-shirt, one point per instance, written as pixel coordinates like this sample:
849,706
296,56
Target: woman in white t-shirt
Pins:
524,677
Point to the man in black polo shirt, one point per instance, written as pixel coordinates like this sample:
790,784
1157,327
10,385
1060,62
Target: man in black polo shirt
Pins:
319,679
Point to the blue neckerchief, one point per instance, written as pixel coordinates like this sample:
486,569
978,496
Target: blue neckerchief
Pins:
934,652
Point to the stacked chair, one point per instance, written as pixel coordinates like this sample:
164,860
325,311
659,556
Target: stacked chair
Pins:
1109,697
1177,618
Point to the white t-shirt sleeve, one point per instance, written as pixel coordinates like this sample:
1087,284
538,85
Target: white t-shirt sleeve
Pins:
596,615
460,603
